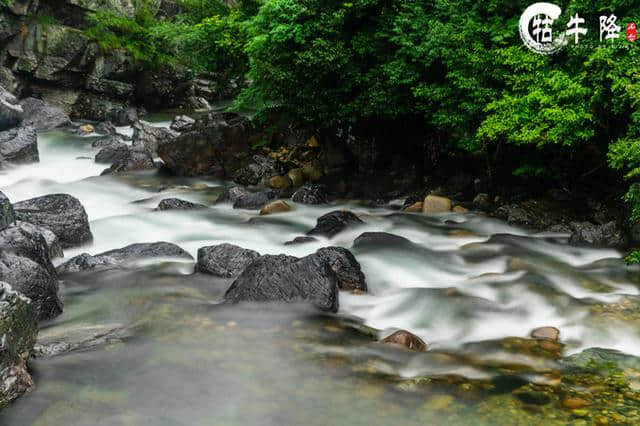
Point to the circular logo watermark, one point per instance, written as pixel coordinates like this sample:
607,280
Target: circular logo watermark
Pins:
536,28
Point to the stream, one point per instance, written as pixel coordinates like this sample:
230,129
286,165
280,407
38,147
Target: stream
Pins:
154,346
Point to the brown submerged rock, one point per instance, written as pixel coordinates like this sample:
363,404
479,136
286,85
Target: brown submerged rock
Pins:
277,206
405,339
550,333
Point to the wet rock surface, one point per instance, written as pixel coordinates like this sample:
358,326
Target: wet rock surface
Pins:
18,146
282,278
178,204
311,193
224,260
63,214
43,116
18,328
406,340
149,137
346,267
7,215
123,257
380,240
11,112
332,223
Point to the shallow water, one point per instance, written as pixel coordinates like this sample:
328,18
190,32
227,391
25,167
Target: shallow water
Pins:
154,347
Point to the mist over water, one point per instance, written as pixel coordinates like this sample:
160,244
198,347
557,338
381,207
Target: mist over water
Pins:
170,354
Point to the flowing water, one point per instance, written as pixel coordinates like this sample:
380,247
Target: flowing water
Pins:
153,346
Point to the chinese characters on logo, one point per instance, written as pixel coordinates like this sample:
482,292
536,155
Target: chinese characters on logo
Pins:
536,28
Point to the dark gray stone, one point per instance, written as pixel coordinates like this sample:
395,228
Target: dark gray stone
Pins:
122,257
10,110
587,233
332,223
18,146
380,240
7,215
260,168
346,267
178,204
32,280
287,279
311,193
149,137
106,141
135,159
224,260
113,153
63,214
42,116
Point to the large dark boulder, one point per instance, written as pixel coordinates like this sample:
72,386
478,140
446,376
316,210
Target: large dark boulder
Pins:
10,110
287,279
18,328
178,204
148,136
211,148
7,215
380,240
113,153
51,240
133,159
42,116
311,193
34,281
346,267
26,240
254,200
607,235
105,141
259,169
63,214
18,146
332,223
224,260
123,257
99,108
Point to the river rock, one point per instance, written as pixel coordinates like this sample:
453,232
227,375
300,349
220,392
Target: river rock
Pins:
278,206
134,159
380,240
251,200
51,240
405,339
279,182
259,169
10,110
346,267
26,240
282,278
113,153
178,204
414,208
32,280
182,123
149,137
106,128
42,116
210,148
18,328
607,235
63,214
332,223
311,193
550,333
436,204
122,257
224,260
296,176
105,141
7,215
300,240
482,202
18,146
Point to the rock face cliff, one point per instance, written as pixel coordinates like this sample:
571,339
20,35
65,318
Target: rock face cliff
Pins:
44,52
